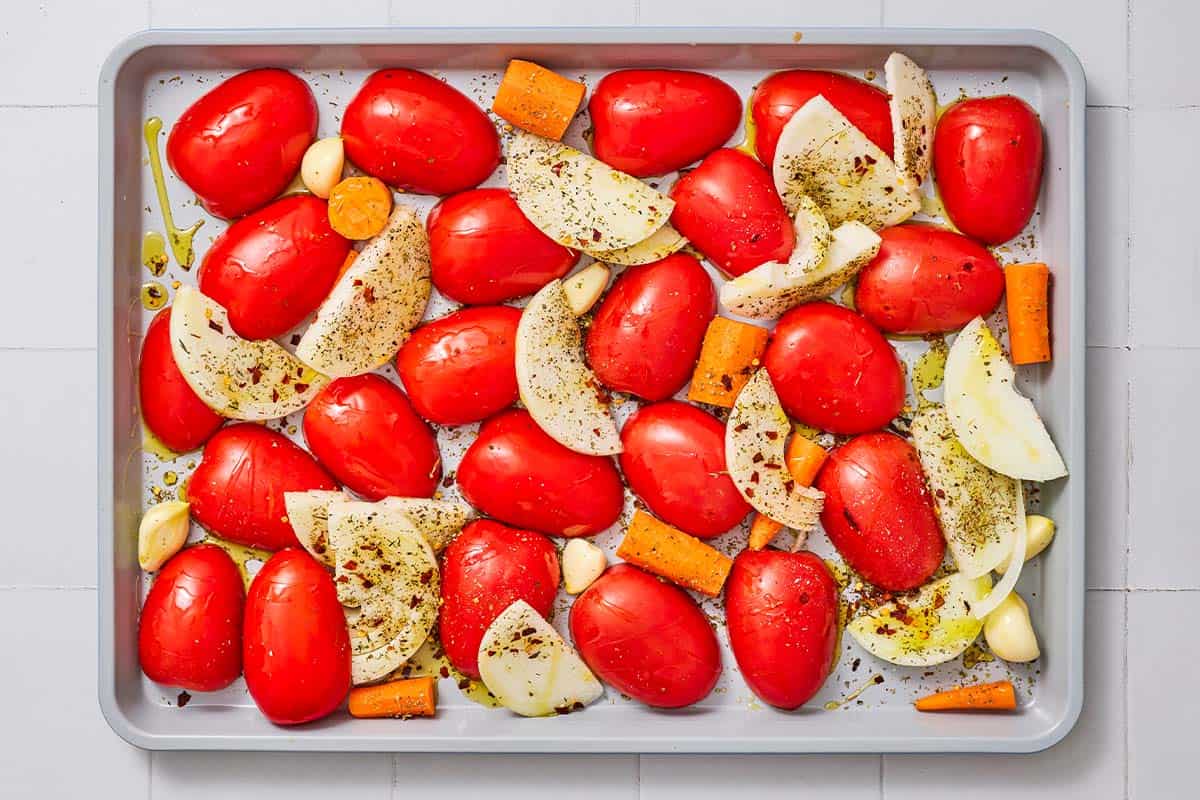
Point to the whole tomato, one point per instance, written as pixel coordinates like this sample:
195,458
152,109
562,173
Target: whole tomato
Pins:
487,568
272,268
172,411
654,121
646,638
241,144
515,472
419,134
729,209
782,614
190,630
987,158
646,335
237,491
927,279
834,371
482,249
296,646
878,512
674,460
777,98
363,430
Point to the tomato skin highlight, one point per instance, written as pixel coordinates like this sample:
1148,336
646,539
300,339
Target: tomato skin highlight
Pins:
879,513
729,209
190,629
487,568
416,133
674,460
653,121
782,614
781,95
237,490
272,268
927,279
834,371
516,473
646,638
296,646
240,145
365,432
461,368
171,410
646,335
988,155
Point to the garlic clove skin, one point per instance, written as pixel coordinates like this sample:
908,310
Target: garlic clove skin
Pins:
321,168
162,533
582,563
1009,631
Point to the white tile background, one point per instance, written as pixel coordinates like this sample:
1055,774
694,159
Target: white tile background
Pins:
1137,729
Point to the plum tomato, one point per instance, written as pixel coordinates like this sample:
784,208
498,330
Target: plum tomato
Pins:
296,646
460,368
879,513
646,638
834,371
487,568
240,145
365,432
646,335
190,631
172,411
654,121
237,490
782,614
515,472
927,279
419,134
674,460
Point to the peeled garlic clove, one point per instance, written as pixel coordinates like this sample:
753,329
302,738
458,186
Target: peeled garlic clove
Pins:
1009,631
163,531
1039,533
584,288
321,168
582,563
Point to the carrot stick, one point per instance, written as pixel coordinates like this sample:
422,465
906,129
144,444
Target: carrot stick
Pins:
999,696
728,357
411,697
359,207
804,459
538,100
762,531
659,548
1028,289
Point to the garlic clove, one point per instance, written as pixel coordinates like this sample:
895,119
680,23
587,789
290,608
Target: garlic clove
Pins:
582,563
321,168
1039,534
584,288
162,533
1009,631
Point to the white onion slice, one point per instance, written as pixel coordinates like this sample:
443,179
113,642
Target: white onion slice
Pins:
1015,562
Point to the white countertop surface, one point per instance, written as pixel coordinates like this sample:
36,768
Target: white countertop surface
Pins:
1137,731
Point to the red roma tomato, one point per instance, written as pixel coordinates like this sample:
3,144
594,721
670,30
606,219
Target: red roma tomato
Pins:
365,432
878,512
460,368
729,209
240,145
777,98
782,613
987,158
927,279
419,134
190,631
482,249
172,411
296,646
272,268
833,371
237,491
646,638
674,460
654,121
515,472
487,568
646,335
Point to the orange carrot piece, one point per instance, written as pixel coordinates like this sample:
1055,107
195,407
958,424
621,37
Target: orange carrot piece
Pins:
730,354
411,697
762,531
359,207
659,548
999,696
353,254
538,100
804,459
1027,287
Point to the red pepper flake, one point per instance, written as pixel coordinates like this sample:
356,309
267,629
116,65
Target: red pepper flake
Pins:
413,602
216,326
426,577
274,395
727,383
754,477
557,169
772,435
369,295
255,374
758,457
183,699
444,671
739,428
350,565
596,235
301,388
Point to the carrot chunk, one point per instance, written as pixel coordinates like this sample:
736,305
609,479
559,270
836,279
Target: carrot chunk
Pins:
538,100
1027,287
999,696
659,548
728,357
359,207
411,697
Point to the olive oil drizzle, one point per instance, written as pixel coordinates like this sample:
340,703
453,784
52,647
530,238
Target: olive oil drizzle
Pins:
181,240
154,253
929,370
874,680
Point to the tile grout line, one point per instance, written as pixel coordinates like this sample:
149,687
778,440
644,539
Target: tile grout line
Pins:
1128,202
150,776
1149,589
1125,687
43,587
39,106
38,348
1127,533
882,777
